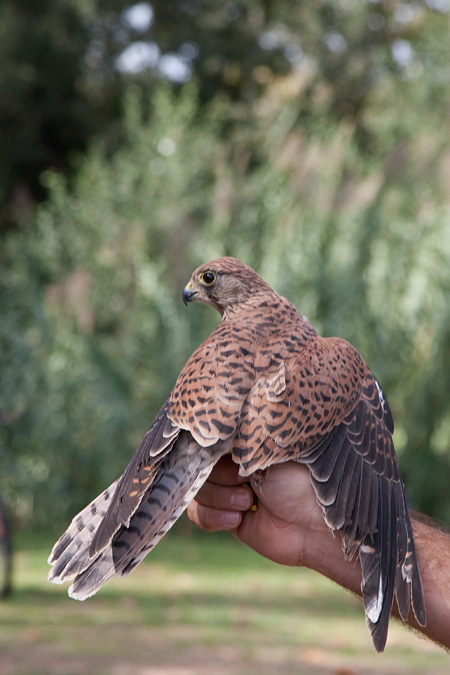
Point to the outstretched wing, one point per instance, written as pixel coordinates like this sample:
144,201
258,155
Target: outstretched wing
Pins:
327,410
358,485
193,429
117,530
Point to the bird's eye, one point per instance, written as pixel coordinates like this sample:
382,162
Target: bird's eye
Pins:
207,278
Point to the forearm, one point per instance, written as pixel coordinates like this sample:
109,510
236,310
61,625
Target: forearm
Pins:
433,552
288,527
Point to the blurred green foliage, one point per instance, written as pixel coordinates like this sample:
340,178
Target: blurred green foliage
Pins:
329,176
63,78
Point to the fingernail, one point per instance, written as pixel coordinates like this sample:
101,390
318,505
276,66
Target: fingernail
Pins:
242,499
231,518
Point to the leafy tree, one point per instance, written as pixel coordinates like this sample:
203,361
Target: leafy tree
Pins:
324,165
89,311
58,89
63,75
95,332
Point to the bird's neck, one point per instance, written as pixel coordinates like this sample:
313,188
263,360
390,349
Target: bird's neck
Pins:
266,313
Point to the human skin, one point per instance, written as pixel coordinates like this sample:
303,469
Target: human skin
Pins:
288,528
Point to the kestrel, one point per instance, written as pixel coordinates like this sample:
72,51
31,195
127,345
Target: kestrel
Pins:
265,387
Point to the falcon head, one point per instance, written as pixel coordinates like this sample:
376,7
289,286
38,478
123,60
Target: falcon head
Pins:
224,283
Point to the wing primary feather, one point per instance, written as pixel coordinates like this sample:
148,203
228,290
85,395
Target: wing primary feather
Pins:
179,477
378,564
402,586
335,513
72,547
351,530
357,483
134,482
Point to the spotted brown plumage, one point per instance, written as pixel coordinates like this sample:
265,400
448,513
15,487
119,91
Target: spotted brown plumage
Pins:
265,387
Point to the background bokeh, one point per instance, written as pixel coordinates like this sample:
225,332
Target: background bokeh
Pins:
310,139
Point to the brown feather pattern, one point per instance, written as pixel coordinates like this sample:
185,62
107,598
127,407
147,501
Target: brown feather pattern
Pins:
265,387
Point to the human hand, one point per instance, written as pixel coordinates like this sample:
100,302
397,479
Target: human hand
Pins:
288,525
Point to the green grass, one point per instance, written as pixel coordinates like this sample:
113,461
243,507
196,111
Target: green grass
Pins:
199,605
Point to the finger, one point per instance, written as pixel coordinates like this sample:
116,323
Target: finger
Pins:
213,520
226,472
224,498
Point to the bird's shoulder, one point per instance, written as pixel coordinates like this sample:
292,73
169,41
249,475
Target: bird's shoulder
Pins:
209,393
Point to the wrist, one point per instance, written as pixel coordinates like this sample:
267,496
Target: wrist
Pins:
323,553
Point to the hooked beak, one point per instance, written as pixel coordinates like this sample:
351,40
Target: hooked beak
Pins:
189,293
